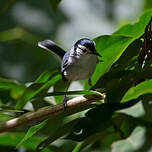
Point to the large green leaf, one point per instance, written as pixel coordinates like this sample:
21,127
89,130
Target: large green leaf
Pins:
121,75
111,47
141,89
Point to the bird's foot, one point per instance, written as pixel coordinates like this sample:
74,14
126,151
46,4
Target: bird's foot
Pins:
89,82
64,102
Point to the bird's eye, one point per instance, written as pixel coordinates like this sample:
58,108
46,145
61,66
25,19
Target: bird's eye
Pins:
82,48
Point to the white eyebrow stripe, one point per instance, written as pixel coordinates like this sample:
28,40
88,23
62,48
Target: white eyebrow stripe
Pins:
83,47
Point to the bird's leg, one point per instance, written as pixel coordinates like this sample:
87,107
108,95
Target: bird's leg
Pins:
64,102
64,99
89,82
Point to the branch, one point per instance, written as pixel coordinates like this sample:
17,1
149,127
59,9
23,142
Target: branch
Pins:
73,106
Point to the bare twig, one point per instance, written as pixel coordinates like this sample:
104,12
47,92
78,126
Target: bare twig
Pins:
74,105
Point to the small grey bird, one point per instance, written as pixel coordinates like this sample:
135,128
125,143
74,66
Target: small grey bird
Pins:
77,64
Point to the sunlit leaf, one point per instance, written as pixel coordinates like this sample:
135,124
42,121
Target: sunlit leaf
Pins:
137,29
45,76
148,4
111,47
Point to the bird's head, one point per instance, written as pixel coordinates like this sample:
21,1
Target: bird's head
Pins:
87,46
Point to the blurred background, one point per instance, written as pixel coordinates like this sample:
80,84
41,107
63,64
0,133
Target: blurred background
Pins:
24,23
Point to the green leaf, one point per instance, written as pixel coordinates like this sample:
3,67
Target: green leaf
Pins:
5,117
148,4
19,33
31,132
45,76
60,86
97,119
54,4
10,110
64,129
122,74
141,89
137,142
13,138
16,89
121,127
39,102
137,29
35,89
78,147
111,47
81,92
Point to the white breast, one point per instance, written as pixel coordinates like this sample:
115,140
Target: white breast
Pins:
82,67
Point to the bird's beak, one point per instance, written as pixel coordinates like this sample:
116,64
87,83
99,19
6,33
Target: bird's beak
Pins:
96,53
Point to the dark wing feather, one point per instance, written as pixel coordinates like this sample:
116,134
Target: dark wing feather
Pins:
65,63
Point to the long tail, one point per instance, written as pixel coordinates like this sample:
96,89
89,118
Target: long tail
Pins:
52,46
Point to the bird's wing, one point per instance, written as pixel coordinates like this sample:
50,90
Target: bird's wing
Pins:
52,46
65,62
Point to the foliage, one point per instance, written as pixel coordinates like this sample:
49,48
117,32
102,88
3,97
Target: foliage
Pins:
112,125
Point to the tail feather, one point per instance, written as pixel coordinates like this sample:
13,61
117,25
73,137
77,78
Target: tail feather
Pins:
52,46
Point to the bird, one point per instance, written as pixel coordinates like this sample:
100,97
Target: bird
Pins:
78,63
